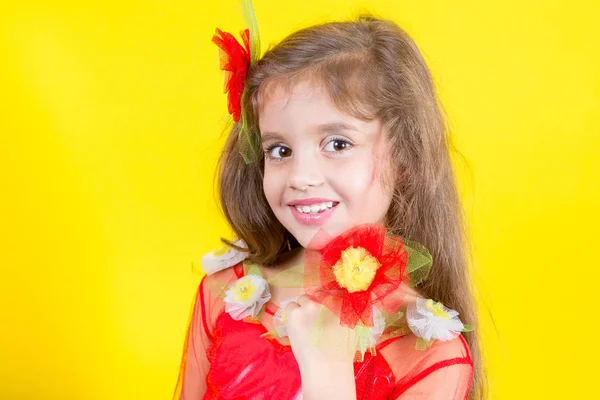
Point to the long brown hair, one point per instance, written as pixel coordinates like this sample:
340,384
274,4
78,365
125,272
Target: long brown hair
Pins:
371,69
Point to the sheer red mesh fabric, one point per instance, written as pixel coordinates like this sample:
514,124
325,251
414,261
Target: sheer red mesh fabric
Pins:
228,359
443,371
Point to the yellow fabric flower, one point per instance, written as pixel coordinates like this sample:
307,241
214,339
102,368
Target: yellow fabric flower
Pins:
356,269
246,297
243,290
431,320
437,309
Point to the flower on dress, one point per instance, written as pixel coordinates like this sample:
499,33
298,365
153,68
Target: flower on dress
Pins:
223,257
356,269
361,268
246,297
432,320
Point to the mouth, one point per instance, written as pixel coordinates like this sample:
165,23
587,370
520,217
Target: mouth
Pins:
316,208
314,214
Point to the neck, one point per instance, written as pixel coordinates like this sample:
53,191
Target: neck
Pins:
292,258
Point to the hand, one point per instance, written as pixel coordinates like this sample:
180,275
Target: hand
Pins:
323,349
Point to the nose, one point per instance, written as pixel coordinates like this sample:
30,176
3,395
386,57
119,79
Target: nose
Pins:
305,172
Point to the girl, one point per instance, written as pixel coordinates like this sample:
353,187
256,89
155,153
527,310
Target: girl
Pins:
337,133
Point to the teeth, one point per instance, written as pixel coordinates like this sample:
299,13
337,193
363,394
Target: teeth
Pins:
314,208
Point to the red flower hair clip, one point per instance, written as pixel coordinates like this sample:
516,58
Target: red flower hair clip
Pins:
235,61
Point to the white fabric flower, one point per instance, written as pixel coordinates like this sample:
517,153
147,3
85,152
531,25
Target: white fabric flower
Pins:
223,258
430,320
246,297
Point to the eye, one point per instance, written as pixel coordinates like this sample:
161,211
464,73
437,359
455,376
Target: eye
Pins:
338,145
277,151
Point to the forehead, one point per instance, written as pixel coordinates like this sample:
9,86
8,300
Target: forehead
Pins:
302,106
304,97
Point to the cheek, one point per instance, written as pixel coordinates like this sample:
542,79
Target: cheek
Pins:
361,171
362,185
272,186
268,188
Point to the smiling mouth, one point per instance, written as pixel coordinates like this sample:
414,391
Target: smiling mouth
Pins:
317,208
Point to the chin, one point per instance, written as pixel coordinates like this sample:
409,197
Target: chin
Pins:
316,237
305,236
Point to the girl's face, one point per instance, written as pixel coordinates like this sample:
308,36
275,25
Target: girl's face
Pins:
324,169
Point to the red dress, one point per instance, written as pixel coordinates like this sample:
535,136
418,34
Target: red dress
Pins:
228,359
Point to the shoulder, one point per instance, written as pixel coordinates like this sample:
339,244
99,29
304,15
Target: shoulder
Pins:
444,365
210,296
455,351
216,283
406,348
433,347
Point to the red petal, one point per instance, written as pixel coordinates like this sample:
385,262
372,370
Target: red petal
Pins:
235,60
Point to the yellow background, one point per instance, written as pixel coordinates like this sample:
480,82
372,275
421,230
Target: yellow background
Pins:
110,128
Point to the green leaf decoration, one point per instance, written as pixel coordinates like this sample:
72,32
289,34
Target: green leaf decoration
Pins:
246,139
252,269
419,262
252,23
423,344
392,320
364,337
249,140
468,328
290,278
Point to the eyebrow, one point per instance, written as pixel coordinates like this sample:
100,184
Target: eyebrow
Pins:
332,127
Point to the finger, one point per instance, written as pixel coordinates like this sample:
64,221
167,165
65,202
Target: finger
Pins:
303,300
292,305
